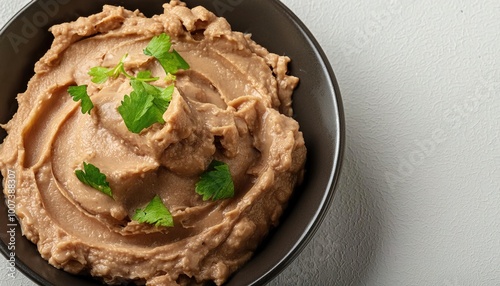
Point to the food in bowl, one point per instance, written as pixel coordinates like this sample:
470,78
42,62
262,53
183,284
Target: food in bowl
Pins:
158,151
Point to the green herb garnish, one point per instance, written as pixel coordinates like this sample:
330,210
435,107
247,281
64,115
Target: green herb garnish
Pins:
145,105
171,61
101,74
216,182
154,213
80,93
92,176
145,75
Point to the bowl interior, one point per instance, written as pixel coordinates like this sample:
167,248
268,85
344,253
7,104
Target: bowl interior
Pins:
317,107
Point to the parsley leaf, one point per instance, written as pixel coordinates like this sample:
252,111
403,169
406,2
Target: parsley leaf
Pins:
154,213
102,74
138,111
92,176
171,61
216,182
80,93
145,75
99,74
145,105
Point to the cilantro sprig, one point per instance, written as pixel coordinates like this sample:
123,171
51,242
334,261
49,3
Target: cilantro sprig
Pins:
101,74
92,176
79,93
145,105
216,182
159,48
155,213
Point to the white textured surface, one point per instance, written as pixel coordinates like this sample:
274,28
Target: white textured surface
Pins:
419,198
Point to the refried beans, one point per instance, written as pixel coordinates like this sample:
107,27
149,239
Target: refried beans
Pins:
232,105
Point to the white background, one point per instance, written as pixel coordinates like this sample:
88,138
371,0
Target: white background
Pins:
419,198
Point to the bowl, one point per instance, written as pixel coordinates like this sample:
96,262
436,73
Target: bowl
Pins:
317,107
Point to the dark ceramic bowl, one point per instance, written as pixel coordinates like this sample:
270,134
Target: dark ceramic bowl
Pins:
317,106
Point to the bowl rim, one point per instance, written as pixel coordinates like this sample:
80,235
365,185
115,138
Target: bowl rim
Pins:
319,216
326,201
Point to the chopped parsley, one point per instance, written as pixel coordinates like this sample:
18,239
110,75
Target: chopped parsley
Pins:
155,213
216,182
80,93
92,176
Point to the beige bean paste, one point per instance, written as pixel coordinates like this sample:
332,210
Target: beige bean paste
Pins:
233,105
